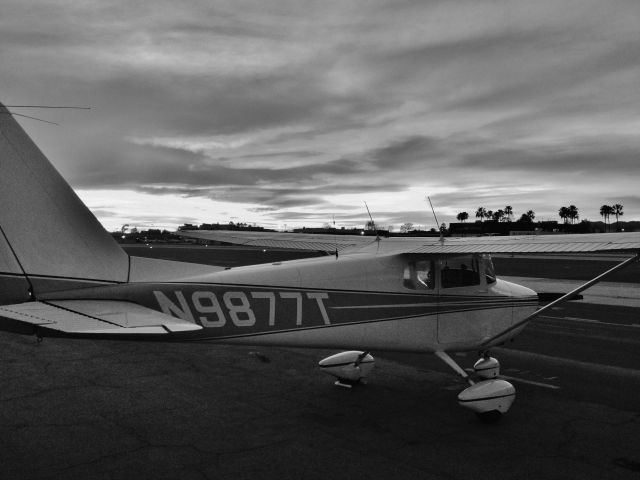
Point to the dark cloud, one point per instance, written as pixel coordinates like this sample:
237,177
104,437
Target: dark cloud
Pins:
594,159
406,152
161,165
271,198
559,86
292,109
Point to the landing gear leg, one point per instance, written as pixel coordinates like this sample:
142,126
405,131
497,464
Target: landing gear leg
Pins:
488,398
452,363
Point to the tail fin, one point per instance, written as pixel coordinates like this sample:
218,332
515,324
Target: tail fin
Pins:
48,237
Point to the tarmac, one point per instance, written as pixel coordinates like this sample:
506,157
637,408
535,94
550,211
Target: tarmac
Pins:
113,409
603,293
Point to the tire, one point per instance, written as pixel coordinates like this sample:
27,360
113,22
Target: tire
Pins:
492,416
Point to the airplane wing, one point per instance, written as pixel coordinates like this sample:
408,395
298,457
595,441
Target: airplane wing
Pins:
552,243
89,317
294,241
530,244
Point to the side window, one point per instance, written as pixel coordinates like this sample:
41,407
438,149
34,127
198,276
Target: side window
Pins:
460,272
426,274
420,275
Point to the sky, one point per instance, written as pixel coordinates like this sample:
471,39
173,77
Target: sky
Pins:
294,113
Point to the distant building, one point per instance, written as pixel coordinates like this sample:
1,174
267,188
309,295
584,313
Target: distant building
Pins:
491,227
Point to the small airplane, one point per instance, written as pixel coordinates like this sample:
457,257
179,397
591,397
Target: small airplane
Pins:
62,274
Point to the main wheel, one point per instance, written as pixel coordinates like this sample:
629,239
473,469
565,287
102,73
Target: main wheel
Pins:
492,416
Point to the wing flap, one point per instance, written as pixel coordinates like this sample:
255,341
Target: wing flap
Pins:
96,317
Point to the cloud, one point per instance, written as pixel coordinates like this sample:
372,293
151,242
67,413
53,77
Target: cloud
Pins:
288,110
406,153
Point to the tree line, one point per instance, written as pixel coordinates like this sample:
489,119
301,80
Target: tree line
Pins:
500,215
568,214
607,210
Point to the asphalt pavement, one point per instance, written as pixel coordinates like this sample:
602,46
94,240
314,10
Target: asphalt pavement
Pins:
112,409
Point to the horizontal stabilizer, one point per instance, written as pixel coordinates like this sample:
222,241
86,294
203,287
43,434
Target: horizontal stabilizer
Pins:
96,317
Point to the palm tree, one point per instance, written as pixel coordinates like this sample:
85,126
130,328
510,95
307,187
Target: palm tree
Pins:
498,215
508,211
462,216
572,212
564,214
605,212
481,213
617,211
489,215
531,214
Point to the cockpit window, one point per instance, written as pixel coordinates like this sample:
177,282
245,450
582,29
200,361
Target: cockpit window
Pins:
420,275
460,272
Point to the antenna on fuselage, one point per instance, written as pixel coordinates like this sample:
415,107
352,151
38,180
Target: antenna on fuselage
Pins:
437,223
372,222
335,240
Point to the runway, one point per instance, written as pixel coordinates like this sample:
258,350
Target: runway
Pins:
104,410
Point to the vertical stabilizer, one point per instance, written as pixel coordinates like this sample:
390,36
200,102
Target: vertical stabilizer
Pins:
47,231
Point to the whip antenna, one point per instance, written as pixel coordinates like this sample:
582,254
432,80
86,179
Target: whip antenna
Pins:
373,223
47,106
434,216
335,240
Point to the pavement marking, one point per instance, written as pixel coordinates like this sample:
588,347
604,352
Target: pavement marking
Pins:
590,320
578,319
531,382
522,380
593,367
604,293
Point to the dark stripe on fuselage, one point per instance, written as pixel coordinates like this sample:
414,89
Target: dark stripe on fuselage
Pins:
347,324
229,311
12,274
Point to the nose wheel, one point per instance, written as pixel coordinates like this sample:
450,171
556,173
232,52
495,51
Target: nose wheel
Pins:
492,416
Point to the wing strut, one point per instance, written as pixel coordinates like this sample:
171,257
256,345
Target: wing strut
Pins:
564,298
444,356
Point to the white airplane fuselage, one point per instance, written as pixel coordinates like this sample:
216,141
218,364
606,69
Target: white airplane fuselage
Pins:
356,301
